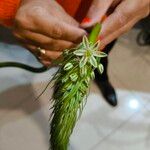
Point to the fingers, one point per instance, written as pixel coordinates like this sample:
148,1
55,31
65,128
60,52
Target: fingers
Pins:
97,10
108,39
62,15
34,51
121,20
123,14
49,20
43,41
58,29
47,57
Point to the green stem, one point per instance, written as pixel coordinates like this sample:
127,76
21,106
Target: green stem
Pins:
95,33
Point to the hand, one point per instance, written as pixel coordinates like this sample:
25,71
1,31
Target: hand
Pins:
123,15
46,25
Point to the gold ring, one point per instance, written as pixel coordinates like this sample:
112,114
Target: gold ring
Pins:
41,51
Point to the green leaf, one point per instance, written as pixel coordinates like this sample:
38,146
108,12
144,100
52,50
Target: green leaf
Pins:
64,79
99,54
93,61
92,75
96,46
87,81
79,52
66,86
83,71
69,86
68,66
100,68
83,61
85,42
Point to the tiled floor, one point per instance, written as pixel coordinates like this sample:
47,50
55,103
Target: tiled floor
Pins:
24,122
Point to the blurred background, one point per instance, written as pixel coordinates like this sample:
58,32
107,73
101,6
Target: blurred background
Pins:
24,122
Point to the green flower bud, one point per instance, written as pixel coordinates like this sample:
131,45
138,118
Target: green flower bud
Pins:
68,66
74,77
100,68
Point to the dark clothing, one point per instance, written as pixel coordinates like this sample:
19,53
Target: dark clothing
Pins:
104,61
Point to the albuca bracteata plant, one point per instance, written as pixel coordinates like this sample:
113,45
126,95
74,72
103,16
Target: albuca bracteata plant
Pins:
72,83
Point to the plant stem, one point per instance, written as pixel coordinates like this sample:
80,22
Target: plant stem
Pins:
95,33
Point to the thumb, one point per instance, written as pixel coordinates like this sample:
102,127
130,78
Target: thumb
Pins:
96,12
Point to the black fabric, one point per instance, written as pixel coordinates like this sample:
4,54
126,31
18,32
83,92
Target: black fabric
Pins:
143,38
104,61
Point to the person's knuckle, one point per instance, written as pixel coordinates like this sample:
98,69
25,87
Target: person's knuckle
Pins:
57,31
38,11
22,20
122,17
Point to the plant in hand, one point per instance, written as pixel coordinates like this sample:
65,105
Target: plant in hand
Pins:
72,83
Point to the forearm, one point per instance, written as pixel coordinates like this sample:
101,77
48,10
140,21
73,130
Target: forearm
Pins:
8,9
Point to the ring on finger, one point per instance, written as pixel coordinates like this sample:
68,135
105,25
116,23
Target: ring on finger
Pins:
41,51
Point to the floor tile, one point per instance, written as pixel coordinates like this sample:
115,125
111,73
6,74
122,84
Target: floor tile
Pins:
133,135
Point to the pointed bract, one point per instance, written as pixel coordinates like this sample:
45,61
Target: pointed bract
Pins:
93,61
83,61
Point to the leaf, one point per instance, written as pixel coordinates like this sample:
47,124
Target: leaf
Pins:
99,54
92,75
83,61
87,81
68,66
96,46
85,42
93,61
100,68
83,71
64,79
80,52
69,86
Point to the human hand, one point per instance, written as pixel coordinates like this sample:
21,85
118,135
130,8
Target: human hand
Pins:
122,16
46,25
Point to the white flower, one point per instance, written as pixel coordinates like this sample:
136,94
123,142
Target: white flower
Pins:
89,52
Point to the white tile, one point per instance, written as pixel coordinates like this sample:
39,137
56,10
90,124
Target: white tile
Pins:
133,135
29,131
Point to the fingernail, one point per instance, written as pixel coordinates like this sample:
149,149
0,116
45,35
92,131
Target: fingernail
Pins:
103,18
86,20
100,38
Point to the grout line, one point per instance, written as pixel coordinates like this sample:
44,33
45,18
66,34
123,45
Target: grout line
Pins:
116,129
